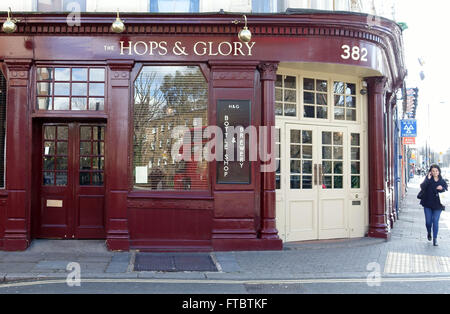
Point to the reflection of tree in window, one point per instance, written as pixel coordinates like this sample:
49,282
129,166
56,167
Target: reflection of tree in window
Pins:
168,96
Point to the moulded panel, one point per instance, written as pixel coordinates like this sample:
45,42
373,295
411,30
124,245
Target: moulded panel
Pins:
2,221
230,225
91,211
145,224
301,216
16,204
53,216
116,204
357,219
281,220
17,142
234,204
332,214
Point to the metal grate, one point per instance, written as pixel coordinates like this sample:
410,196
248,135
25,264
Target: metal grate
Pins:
174,262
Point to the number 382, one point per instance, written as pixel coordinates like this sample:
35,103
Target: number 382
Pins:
354,52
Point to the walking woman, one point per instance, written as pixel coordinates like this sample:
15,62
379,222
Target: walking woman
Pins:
431,187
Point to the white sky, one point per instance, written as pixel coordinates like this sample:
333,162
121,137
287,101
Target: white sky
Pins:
427,37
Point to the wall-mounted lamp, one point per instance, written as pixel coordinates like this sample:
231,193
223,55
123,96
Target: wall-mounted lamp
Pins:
118,26
363,90
244,34
9,26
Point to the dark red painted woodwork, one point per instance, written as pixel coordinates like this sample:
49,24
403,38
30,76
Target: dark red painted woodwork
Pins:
119,137
18,153
378,220
268,195
82,213
3,208
303,32
226,217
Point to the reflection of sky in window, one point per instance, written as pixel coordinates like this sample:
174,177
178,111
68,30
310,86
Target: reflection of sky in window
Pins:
155,75
173,6
62,74
79,74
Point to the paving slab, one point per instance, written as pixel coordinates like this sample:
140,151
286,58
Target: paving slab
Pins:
341,258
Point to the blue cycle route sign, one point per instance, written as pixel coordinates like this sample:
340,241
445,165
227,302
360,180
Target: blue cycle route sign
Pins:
409,128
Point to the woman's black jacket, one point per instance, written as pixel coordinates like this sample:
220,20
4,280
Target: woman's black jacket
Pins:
431,197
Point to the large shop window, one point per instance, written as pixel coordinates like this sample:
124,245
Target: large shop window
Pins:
65,88
2,129
170,105
174,6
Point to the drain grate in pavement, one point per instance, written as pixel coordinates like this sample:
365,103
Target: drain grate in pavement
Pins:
173,262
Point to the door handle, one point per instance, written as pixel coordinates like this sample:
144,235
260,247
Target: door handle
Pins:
315,174
320,175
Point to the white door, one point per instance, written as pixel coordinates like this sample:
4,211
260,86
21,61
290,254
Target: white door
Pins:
311,182
332,186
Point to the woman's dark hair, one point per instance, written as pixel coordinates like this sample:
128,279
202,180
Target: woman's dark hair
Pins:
437,167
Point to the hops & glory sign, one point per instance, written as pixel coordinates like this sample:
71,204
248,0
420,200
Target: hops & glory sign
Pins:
199,48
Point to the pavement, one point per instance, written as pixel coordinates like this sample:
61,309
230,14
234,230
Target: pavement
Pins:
407,253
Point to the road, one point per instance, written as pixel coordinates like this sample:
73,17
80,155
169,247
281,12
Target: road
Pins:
411,284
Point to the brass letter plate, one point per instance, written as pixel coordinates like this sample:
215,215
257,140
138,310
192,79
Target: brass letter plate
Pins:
54,203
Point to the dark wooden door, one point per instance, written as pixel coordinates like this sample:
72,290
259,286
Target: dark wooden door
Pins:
72,181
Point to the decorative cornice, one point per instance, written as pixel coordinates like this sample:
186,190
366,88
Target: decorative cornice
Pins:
350,25
386,34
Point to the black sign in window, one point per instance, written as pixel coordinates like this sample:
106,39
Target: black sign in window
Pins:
233,117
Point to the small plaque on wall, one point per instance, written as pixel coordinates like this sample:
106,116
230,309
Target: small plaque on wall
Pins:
54,203
233,117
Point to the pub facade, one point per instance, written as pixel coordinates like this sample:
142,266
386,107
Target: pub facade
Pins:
110,135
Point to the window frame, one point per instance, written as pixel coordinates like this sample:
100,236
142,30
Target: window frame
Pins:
72,113
330,78
296,94
302,90
133,192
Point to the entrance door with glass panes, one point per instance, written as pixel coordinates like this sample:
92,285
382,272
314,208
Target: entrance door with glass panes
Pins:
311,182
72,181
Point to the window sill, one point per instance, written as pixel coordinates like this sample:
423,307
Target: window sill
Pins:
200,195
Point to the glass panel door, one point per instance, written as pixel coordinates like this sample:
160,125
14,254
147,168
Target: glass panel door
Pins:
333,190
314,182
72,182
299,178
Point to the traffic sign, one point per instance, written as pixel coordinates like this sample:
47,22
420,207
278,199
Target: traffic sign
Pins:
409,141
409,128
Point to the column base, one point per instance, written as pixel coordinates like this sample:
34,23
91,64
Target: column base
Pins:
15,244
381,232
118,243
